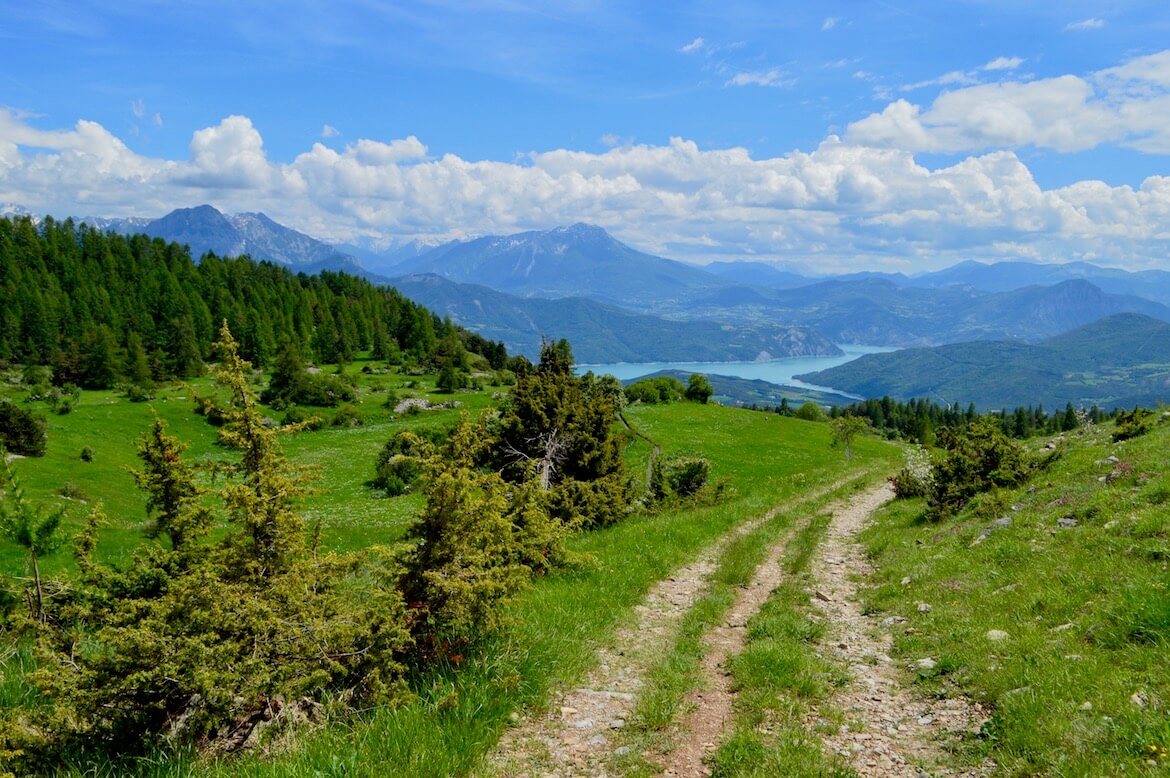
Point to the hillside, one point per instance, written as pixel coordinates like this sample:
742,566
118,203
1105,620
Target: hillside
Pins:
1047,603
732,390
97,305
606,333
1118,361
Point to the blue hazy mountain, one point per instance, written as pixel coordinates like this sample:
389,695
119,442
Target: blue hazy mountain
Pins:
605,333
204,228
581,260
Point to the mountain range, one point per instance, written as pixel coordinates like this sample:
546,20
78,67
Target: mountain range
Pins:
602,333
616,303
577,261
205,229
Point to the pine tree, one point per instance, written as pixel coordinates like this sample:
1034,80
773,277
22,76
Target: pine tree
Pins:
29,527
172,493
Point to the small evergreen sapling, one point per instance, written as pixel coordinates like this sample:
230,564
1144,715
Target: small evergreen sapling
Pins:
32,528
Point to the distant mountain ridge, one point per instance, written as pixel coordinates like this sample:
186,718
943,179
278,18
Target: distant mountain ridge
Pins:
877,311
204,228
577,261
565,282
605,333
1118,361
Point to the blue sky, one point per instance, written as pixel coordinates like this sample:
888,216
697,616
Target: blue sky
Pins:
822,136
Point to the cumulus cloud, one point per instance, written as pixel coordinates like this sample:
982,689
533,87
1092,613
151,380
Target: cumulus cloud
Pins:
1085,24
228,156
829,23
840,204
693,46
1123,105
770,77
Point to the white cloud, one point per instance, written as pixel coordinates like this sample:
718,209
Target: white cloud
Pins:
829,23
946,79
138,108
1085,24
693,46
840,204
229,156
1124,105
1003,63
770,77
610,140
158,120
329,131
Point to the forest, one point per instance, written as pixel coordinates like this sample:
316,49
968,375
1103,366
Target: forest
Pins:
99,309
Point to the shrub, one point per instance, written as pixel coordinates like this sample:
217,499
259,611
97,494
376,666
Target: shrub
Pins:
22,431
687,475
302,417
1133,424
478,540
324,391
810,411
699,389
663,389
979,457
137,393
36,375
348,415
71,491
399,463
86,454
200,639
917,478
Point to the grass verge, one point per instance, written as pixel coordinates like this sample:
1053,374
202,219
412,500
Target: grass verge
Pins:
1049,604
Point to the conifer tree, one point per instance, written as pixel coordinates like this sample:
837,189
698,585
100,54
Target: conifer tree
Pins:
172,493
262,502
30,527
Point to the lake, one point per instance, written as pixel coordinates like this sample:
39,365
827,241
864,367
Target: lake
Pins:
776,371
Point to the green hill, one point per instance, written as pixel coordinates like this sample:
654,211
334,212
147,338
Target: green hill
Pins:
1122,360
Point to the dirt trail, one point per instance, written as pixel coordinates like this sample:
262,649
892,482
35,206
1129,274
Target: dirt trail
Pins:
889,731
575,736
710,714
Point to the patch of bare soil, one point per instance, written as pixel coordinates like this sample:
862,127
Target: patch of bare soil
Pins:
574,737
889,730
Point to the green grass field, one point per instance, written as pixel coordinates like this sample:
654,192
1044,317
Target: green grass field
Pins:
457,714
1073,567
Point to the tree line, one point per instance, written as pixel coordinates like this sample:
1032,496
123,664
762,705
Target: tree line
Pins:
100,308
923,421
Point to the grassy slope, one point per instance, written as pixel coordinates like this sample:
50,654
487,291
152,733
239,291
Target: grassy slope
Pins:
458,715
1080,686
353,515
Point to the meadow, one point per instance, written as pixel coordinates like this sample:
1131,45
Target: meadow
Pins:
457,712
